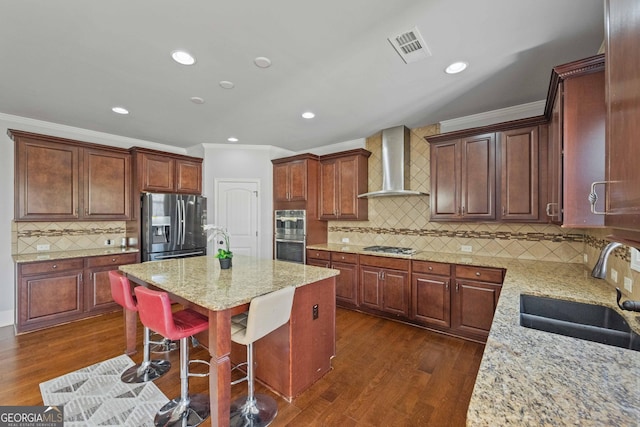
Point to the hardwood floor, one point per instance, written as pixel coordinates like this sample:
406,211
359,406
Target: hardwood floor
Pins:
385,373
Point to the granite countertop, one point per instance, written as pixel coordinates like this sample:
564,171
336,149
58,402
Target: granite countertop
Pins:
529,377
201,281
51,256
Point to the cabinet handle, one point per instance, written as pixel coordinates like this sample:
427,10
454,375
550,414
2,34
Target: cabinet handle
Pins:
463,211
430,268
457,287
504,211
446,286
478,273
113,260
548,209
91,276
86,211
593,198
54,266
80,277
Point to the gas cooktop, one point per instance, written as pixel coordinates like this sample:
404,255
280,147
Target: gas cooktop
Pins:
391,250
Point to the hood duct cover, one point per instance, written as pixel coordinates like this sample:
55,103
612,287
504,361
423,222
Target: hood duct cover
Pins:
396,160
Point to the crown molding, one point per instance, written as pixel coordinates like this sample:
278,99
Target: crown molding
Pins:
521,111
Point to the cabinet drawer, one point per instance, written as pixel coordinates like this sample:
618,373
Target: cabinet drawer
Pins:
119,259
484,274
429,267
51,266
316,254
385,262
344,257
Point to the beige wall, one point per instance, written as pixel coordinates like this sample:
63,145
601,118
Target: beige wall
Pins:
404,221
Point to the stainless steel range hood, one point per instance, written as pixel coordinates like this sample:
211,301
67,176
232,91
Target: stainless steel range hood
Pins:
396,160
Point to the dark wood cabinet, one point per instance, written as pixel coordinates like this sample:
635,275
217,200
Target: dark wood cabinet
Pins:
167,173
319,258
431,299
463,174
623,118
97,287
292,178
347,280
343,176
576,111
58,179
475,297
53,292
384,285
519,174
492,173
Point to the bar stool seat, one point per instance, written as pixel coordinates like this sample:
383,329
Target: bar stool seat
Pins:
148,370
154,309
266,314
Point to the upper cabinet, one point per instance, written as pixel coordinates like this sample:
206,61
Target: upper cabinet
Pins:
342,177
295,181
623,118
576,112
168,173
490,173
60,179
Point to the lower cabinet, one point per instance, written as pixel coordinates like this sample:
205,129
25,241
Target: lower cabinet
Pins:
431,302
384,284
347,280
53,292
476,294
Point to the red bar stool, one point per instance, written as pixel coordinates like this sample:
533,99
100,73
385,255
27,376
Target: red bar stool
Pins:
154,309
148,370
266,314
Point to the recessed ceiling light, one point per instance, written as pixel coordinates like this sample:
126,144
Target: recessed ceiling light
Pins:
262,62
308,115
183,57
197,100
232,139
226,84
120,110
456,67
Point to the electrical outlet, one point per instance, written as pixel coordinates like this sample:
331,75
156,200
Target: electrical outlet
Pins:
42,247
628,284
614,275
108,242
585,258
345,240
635,259
466,248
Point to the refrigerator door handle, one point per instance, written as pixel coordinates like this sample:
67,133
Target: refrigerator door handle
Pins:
184,216
179,222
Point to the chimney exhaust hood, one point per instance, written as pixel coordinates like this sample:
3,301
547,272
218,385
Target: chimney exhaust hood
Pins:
396,162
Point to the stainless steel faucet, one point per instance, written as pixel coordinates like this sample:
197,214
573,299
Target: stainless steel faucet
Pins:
600,269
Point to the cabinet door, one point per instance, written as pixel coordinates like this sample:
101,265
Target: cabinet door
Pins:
346,283
347,178
48,299
188,177
97,287
298,180
370,294
478,177
395,292
623,114
281,182
554,207
474,305
106,185
519,151
445,180
431,300
46,180
329,189
157,173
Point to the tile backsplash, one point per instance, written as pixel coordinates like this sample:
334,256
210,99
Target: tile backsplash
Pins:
64,236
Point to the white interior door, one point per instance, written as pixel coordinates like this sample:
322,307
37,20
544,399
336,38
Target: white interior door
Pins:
237,211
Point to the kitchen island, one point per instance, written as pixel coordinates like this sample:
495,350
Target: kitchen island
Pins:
533,378
200,284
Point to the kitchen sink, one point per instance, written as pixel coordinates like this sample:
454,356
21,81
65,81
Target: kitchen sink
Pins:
579,320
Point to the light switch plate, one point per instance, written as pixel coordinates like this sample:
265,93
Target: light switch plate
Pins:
466,248
628,284
614,275
42,247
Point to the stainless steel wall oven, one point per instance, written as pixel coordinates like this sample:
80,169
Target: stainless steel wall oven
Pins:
290,235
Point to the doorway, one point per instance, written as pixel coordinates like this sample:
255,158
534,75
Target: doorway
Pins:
236,209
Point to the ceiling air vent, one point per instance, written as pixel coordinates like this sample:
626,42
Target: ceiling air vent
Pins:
410,46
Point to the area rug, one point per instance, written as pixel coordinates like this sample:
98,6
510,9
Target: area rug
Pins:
95,396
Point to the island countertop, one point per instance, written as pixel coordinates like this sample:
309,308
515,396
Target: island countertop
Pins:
201,281
533,378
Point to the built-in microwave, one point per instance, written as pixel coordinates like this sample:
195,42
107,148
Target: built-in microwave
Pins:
290,235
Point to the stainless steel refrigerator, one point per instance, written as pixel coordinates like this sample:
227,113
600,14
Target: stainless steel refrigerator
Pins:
173,226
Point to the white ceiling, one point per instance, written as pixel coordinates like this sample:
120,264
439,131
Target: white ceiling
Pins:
70,61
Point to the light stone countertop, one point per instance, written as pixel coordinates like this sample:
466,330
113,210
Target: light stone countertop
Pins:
534,378
52,256
201,281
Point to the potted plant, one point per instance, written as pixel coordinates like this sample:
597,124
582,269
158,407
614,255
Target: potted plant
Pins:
224,254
